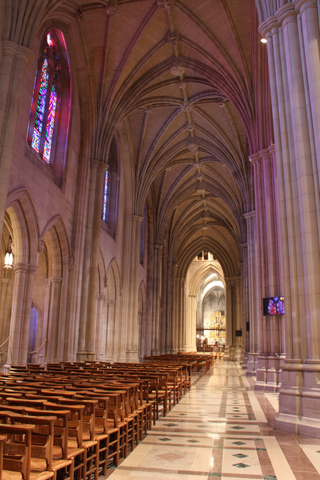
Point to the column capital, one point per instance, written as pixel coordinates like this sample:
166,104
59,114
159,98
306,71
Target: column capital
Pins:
137,218
286,14
269,27
158,246
251,214
95,163
32,268
55,280
254,158
17,51
20,267
302,5
272,149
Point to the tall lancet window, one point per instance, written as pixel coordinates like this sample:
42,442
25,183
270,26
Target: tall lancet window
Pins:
105,200
49,115
143,224
110,192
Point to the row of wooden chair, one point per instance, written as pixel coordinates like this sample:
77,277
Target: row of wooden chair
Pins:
72,420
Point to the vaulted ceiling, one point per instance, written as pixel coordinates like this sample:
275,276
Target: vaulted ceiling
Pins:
187,80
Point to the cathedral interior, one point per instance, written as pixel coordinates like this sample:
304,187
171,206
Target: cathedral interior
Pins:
159,185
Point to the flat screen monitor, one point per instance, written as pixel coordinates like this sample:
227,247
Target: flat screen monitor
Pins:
273,306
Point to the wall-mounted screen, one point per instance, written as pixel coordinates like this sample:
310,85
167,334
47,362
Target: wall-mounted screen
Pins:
273,306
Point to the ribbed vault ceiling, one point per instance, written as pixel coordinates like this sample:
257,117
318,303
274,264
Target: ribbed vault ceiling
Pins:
187,80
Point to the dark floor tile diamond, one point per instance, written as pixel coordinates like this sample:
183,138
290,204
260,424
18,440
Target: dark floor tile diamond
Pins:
236,416
240,455
240,465
269,477
214,474
239,443
238,428
165,439
170,425
193,441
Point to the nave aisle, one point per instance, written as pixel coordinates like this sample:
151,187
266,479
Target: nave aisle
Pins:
222,429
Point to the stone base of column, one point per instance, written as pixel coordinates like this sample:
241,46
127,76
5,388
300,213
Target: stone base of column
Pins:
252,363
81,355
91,356
268,373
245,360
290,398
132,356
232,354
6,368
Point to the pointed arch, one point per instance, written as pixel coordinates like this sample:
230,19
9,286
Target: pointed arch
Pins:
25,226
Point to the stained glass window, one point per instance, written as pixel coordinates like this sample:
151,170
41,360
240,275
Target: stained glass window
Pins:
38,122
47,95
105,196
50,124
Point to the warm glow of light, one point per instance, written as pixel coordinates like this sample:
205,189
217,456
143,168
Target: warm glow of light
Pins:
8,260
263,40
215,283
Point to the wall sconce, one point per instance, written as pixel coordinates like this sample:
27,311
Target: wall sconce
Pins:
8,258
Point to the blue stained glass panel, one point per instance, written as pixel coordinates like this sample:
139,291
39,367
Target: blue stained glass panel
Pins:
105,196
41,105
50,124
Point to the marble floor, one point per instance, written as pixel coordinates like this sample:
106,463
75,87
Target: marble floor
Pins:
223,429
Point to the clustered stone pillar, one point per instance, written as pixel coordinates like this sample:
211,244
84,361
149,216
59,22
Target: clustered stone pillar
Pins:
20,314
86,347
252,302
53,318
168,309
132,334
157,269
179,330
267,272
14,61
294,65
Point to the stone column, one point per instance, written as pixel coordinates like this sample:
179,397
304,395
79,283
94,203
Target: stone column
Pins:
157,269
132,337
99,338
192,344
86,345
181,324
4,282
245,304
268,254
17,313
53,318
169,316
229,313
14,61
252,304
25,326
298,188
110,353
163,302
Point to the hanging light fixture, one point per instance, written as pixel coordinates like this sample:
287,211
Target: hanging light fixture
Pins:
8,258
